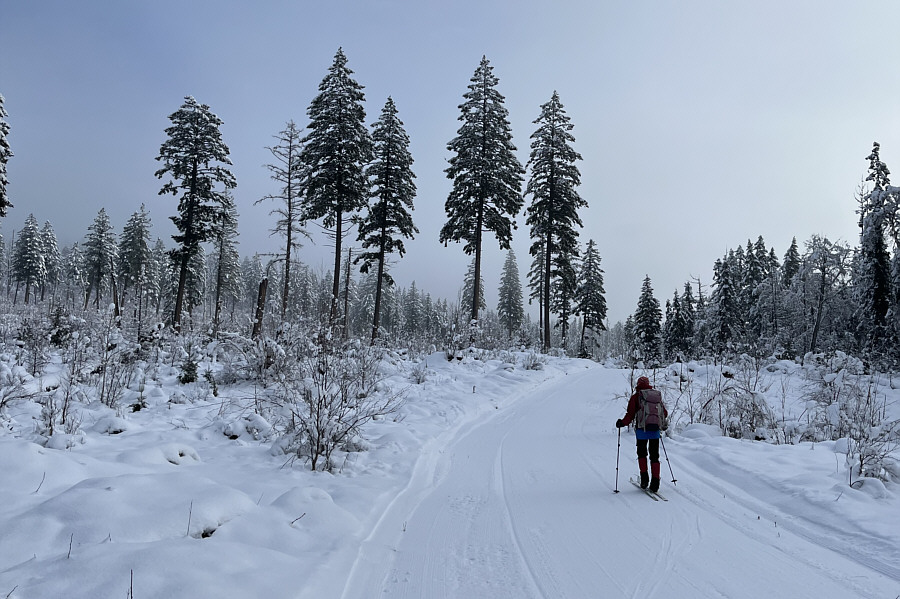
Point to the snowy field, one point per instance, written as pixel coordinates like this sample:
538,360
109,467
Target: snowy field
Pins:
491,481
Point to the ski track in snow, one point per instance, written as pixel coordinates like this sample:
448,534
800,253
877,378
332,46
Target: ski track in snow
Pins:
521,506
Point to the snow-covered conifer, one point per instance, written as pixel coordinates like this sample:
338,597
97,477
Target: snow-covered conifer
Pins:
28,257
196,159
52,260
510,310
100,253
388,219
486,175
591,296
647,323
553,213
334,155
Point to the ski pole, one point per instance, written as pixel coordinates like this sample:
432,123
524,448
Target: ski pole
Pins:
618,445
667,458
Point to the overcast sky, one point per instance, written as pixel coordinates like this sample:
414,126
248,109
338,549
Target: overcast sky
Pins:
701,124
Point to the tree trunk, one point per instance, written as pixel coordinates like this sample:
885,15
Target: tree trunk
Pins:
347,295
546,294
260,309
336,285
378,289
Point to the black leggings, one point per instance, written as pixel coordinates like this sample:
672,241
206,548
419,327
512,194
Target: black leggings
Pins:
654,449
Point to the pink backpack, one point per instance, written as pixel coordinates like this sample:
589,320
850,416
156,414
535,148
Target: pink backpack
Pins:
651,411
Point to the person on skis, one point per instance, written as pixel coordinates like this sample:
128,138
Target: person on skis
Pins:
649,415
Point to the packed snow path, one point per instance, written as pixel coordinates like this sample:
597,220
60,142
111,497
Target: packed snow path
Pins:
523,506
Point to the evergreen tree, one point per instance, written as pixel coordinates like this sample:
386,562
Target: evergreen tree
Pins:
288,172
28,257
393,190
158,275
647,325
873,266
725,325
100,253
553,213
52,259
196,159
486,175
591,295
510,310
5,155
135,254
73,276
334,156
791,265
412,311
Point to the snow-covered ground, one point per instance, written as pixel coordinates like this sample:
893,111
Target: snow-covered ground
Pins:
491,481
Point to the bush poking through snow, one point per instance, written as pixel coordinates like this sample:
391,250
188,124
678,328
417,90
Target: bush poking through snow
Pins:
329,398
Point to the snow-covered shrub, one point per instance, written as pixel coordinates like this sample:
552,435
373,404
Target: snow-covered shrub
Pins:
533,361
419,373
328,399
846,404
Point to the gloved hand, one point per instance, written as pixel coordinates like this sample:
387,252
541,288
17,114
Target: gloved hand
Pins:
619,423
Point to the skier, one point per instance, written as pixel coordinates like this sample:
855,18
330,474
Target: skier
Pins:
648,423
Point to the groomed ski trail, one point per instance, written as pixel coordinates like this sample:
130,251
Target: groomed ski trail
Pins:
521,506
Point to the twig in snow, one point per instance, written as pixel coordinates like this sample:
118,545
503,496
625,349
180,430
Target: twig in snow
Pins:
190,513
297,518
71,538
9,594
42,483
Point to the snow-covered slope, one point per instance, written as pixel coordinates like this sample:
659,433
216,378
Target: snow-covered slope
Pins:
493,481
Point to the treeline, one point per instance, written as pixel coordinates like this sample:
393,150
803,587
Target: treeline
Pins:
826,297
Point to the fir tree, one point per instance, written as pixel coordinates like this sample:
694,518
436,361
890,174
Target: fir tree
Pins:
288,172
196,159
28,257
486,175
647,325
135,253
100,253
724,305
73,276
553,213
52,259
791,265
334,155
591,294
873,267
5,155
393,190
510,310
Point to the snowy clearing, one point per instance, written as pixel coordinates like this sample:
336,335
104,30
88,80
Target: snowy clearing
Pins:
492,481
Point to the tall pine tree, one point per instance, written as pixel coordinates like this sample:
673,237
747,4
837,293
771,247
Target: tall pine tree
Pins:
196,159
334,155
553,213
486,175
393,189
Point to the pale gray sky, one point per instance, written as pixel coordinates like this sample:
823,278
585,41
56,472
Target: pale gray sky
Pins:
701,124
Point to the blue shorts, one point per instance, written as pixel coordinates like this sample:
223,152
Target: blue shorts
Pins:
643,435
